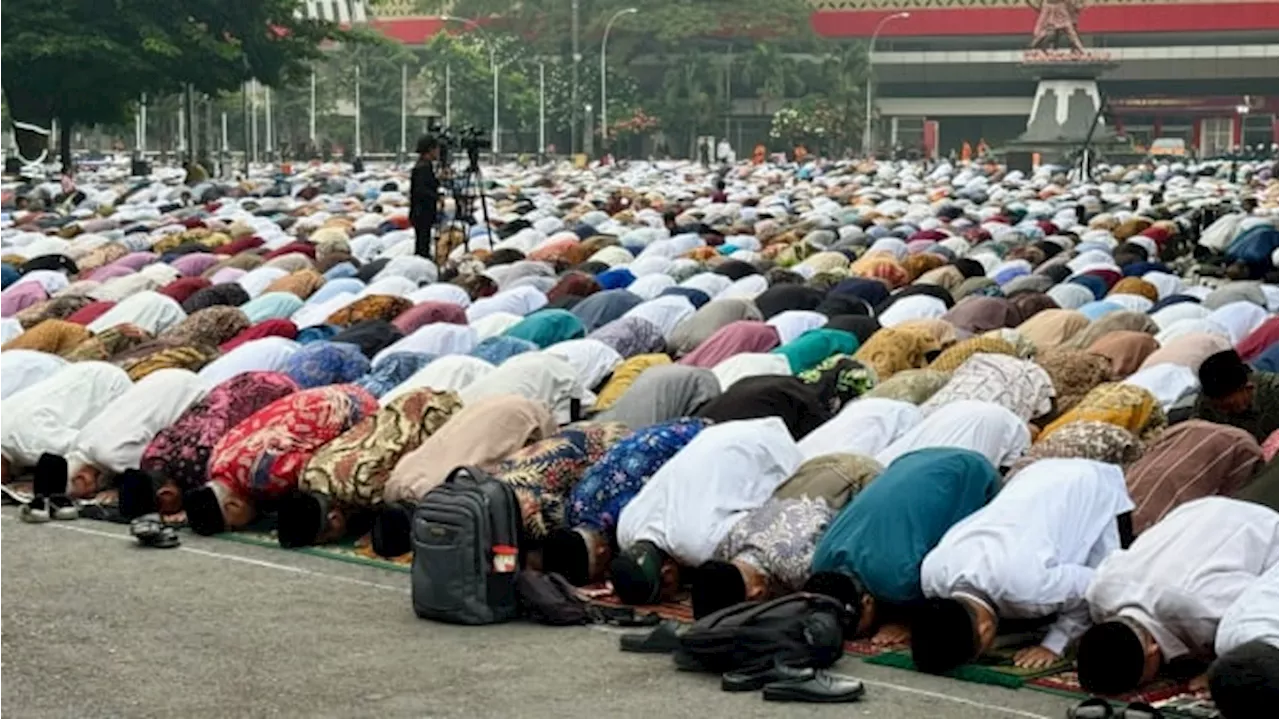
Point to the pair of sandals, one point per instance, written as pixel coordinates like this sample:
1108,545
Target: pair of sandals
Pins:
150,531
45,508
1099,708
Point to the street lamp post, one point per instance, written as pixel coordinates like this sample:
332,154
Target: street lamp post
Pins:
493,64
871,49
604,81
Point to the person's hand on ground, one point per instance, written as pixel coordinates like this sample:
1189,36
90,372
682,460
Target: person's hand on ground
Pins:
1036,657
892,634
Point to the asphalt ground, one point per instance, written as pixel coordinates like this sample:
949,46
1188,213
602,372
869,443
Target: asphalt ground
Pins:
96,626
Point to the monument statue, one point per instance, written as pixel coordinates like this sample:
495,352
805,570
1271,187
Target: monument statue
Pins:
1057,18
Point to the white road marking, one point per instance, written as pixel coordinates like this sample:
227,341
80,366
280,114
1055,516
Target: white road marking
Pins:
404,590
958,700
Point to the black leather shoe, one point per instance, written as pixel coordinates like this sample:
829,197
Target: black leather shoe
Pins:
662,640
821,688
753,681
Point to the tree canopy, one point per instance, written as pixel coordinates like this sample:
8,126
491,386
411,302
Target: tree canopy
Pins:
86,62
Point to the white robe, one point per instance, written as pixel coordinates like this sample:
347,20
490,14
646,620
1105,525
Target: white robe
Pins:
916,307
533,375
495,324
445,374
1253,616
793,323
517,300
1180,576
151,311
664,312
115,439
593,360
1032,551
750,364
20,369
1167,381
865,426
984,427
47,416
268,354
441,338
694,499
443,292
256,281
650,286
10,328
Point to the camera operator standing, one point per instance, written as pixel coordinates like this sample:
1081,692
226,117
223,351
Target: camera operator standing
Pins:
424,194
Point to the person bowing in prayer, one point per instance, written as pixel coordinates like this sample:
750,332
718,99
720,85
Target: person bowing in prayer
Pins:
1028,555
870,557
261,458
683,513
1161,600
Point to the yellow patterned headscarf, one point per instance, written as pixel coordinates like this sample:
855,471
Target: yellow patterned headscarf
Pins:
1123,405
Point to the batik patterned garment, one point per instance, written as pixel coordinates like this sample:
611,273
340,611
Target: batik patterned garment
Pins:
839,379
1019,386
373,307
631,336
543,473
108,343
607,487
263,456
210,326
353,468
778,538
1099,441
324,363
189,357
181,451
56,308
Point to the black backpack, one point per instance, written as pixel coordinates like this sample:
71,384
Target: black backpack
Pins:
799,630
466,550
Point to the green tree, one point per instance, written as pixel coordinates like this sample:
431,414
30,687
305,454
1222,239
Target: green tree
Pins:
85,64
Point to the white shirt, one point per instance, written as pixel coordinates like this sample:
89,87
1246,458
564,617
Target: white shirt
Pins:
517,300
709,283
593,360
1180,576
916,307
664,312
1167,381
255,281
151,311
1253,616
984,427
750,364
793,323
1166,316
865,426
746,288
268,354
115,439
494,324
441,338
443,292
47,416
650,286
532,375
450,373
1032,551
20,369
693,501
10,327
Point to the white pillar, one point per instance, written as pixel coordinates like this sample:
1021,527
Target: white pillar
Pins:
542,110
266,109
142,136
448,95
404,111
253,120
357,144
493,62
311,128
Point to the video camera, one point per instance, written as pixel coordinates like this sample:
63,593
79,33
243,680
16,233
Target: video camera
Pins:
467,139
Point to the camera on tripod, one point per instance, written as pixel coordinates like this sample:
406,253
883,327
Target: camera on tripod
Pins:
467,139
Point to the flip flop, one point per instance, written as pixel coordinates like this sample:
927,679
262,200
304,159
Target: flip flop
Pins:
1092,708
150,531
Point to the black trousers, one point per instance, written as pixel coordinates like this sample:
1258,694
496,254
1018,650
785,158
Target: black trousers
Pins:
422,239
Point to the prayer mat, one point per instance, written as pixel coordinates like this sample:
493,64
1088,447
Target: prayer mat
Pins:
1191,705
995,667
865,649
346,551
1065,683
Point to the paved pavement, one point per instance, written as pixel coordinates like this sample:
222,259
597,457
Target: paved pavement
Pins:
95,626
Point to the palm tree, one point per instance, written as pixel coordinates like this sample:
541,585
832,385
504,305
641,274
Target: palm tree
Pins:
771,72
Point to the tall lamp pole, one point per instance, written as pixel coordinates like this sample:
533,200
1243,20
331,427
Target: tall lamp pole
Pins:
871,49
493,65
604,81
